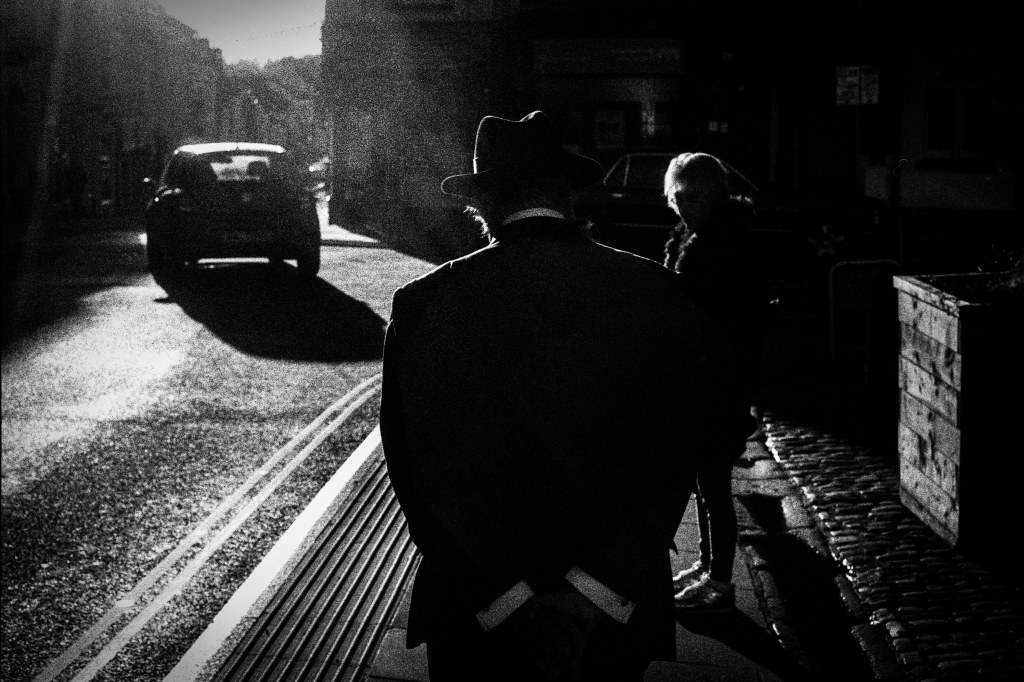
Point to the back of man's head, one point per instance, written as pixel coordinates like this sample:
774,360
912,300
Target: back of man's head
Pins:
518,165
551,190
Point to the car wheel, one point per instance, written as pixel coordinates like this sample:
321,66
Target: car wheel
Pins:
162,260
309,262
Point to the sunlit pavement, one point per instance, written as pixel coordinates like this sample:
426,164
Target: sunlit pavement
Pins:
334,235
121,229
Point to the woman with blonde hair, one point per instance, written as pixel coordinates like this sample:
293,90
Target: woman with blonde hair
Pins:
710,250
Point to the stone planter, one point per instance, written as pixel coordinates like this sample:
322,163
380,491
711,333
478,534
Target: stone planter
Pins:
961,380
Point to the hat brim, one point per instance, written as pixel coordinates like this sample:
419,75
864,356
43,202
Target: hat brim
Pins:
582,171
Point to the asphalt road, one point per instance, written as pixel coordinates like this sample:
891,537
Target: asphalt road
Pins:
157,442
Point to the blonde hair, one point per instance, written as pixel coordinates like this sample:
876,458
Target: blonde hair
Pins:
704,168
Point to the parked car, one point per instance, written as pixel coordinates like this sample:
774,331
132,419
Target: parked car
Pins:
627,209
231,200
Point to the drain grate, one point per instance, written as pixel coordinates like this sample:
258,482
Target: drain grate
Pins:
327,621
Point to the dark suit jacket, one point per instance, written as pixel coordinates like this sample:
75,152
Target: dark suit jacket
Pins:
529,424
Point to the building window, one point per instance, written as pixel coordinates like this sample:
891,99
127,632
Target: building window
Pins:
617,124
941,119
665,114
958,107
609,128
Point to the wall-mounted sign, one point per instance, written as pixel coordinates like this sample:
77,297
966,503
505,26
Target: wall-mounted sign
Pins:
856,85
608,56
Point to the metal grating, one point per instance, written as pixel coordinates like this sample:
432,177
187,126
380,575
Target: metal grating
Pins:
327,621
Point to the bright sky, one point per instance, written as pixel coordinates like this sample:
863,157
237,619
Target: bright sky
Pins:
259,30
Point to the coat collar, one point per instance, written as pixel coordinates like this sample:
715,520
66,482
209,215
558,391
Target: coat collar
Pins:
533,213
541,226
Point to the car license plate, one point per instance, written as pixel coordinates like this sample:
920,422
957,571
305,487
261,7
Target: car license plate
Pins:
246,237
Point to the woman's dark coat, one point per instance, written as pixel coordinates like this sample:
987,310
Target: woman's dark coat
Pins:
724,275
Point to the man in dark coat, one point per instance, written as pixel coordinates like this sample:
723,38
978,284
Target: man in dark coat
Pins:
531,432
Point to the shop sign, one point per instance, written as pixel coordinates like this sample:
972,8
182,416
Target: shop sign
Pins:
608,56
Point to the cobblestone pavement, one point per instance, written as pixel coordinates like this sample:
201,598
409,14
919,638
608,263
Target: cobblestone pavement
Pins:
919,610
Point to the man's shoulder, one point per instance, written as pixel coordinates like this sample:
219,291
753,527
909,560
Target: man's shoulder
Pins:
440,276
618,269
426,280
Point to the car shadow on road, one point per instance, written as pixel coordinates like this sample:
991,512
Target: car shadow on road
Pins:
272,311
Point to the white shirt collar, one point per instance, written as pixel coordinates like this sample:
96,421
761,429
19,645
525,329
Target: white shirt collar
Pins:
533,213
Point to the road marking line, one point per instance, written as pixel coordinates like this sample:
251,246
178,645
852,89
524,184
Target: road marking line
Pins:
178,583
277,560
347,404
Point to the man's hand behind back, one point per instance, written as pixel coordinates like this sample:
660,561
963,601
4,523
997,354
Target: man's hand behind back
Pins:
553,628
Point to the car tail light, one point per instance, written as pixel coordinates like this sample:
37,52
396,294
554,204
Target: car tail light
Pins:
183,202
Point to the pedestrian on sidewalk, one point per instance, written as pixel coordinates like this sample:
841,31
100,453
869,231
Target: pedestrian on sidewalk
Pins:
710,249
528,426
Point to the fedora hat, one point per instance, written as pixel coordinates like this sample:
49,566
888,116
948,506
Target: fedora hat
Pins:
508,150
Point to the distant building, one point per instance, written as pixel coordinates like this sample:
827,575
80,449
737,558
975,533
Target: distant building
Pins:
95,94
912,106
406,83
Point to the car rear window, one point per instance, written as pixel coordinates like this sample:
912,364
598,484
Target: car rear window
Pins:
647,172
199,170
240,166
